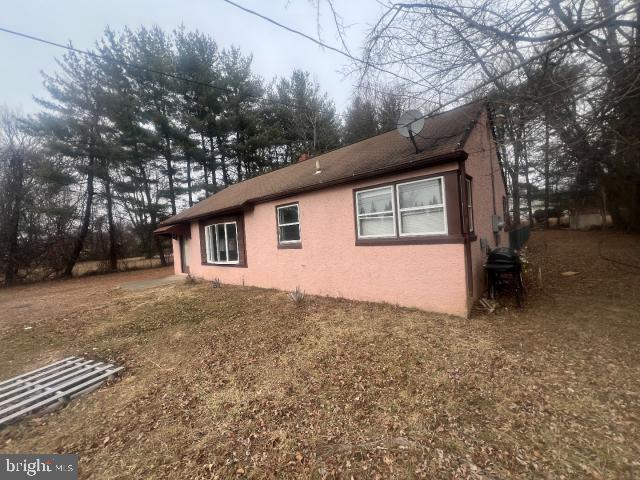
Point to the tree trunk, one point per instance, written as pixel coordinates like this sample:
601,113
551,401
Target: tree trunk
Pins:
172,193
238,160
525,156
603,199
113,244
152,215
86,221
516,199
11,267
223,162
213,166
515,182
546,173
160,250
187,156
189,193
205,168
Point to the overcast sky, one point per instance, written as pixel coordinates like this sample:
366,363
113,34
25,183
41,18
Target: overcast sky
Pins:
276,51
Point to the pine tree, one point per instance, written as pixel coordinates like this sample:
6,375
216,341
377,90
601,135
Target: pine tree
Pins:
361,121
73,125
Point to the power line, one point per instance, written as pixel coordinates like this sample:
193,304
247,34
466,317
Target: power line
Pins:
293,30
323,44
151,70
483,84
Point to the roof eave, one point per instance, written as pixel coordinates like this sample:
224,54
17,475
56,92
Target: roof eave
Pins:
178,228
418,162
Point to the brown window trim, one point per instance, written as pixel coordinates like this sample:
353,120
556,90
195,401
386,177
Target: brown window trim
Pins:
452,196
465,206
242,246
288,245
417,240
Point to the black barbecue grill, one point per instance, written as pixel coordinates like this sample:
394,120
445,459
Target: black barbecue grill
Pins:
503,268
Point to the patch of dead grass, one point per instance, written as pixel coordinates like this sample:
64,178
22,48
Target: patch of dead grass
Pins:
240,382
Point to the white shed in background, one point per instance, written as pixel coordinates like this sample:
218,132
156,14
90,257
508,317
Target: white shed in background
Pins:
587,218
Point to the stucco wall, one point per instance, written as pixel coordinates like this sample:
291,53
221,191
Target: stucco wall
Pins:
480,147
430,277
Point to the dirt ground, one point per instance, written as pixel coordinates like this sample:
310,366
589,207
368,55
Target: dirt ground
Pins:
241,382
56,300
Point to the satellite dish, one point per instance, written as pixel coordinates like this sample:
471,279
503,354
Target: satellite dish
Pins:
410,123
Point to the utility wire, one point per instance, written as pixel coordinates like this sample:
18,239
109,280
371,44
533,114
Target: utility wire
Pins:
483,84
293,30
323,44
151,70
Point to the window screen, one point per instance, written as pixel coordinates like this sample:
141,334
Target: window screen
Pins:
376,217
421,207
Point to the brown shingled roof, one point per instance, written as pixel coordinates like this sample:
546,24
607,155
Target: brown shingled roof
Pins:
442,137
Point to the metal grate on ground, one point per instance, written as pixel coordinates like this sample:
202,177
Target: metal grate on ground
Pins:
51,386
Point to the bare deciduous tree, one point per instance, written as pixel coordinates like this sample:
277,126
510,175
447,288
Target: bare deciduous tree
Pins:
448,48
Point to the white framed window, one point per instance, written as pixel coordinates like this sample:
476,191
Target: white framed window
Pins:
221,243
376,213
469,205
288,217
421,207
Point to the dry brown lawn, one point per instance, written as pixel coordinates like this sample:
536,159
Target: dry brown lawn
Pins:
241,382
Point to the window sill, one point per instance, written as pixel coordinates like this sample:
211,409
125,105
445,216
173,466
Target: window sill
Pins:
224,265
409,240
284,246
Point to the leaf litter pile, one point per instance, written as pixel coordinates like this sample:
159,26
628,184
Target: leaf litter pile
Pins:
237,382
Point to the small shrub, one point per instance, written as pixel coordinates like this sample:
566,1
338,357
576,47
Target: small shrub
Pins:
297,295
215,283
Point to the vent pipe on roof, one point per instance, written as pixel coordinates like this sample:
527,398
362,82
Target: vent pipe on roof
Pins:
317,167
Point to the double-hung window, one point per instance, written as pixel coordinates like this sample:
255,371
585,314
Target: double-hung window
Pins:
221,243
414,208
421,207
288,224
376,215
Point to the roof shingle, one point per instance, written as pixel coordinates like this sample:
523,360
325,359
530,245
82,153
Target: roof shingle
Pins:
442,135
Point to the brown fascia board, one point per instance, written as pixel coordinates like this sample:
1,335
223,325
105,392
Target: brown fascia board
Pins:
419,162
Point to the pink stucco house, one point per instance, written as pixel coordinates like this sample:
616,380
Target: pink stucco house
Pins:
372,221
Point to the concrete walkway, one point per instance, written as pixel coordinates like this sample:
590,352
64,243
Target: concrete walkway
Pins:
154,282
